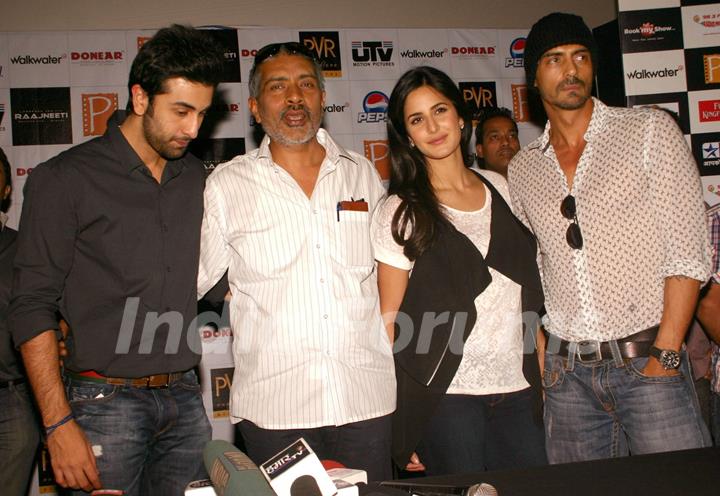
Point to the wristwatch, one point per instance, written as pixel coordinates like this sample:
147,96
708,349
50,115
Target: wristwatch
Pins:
669,359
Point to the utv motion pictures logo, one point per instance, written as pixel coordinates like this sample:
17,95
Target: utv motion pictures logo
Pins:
517,53
375,106
31,60
372,53
660,73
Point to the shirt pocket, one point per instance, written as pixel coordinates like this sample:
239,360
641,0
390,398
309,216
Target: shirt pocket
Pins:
354,238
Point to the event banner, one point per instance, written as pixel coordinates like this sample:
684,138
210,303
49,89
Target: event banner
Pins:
671,58
57,89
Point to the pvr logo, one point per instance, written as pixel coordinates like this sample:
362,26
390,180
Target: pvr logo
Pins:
375,106
478,96
96,109
221,381
326,45
371,51
711,64
378,152
521,110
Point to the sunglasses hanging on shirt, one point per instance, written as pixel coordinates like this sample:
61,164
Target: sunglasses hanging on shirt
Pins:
573,235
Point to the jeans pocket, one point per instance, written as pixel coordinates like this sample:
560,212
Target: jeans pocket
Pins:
636,366
86,393
189,382
553,372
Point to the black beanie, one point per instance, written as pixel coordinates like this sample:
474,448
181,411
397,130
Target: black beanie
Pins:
554,30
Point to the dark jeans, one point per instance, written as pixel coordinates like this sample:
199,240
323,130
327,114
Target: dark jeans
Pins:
471,433
19,437
715,417
363,445
608,408
146,441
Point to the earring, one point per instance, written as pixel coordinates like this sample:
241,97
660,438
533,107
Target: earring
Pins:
462,126
412,143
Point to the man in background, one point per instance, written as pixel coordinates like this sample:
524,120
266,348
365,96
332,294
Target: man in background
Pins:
496,140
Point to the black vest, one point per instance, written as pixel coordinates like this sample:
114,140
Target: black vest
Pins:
444,283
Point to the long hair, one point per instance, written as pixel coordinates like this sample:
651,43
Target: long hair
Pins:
414,225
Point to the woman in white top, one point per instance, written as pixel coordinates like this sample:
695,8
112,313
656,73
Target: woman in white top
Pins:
440,214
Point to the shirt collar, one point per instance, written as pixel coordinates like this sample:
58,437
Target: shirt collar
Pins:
3,220
333,151
597,122
128,157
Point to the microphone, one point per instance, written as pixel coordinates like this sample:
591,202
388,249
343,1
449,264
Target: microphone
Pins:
305,485
232,472
417,489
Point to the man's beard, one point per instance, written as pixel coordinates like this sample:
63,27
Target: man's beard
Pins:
274,130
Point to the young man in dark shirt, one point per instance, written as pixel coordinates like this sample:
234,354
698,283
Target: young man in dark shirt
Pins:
110,239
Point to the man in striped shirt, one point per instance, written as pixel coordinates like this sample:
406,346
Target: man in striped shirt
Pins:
290,223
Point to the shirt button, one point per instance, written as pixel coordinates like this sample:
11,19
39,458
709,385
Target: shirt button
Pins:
168,269
315,211
322,281
325,316
317,246
165,228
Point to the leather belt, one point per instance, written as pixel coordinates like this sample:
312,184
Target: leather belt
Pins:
6,384
633,346
150,381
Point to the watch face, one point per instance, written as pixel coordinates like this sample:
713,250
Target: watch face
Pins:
669,359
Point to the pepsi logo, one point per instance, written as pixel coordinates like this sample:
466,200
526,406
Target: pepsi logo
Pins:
517,53
375,101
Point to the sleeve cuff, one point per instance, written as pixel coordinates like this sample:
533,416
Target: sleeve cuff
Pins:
688,268
397,260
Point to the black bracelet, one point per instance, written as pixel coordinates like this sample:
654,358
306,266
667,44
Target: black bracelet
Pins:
63,421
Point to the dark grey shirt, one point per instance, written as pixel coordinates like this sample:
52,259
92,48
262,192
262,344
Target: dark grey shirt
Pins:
10,362
106,245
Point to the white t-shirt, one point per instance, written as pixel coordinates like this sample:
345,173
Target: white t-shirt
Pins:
492,357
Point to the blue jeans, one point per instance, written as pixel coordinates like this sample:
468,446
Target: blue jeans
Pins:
146,441
608,408
469,433
19,438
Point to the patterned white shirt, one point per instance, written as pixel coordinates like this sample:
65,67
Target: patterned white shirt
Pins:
493,353
310,347
639,206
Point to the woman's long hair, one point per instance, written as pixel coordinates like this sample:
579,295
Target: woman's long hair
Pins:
414,225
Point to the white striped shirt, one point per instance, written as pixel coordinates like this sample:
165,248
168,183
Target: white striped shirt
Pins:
310,348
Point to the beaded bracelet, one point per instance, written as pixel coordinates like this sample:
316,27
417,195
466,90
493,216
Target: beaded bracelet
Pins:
63,421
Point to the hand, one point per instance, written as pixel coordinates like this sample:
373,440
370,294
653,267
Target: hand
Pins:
415,464
72,459
62,347
654,369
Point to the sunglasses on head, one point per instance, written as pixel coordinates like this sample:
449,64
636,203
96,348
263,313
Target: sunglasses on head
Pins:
573,235
288,47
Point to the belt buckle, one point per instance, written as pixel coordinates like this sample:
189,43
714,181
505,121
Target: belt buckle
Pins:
158,381
583,348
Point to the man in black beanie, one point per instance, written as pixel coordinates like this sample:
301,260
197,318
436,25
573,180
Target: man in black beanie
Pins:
614,198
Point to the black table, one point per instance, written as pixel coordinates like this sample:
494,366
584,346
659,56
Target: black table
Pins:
680,473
